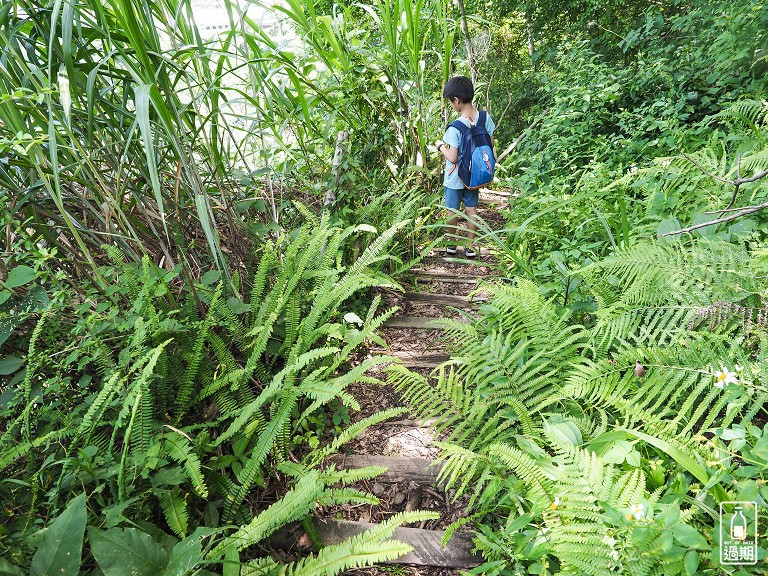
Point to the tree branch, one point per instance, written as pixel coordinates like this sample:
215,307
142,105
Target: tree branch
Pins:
742,212
520,138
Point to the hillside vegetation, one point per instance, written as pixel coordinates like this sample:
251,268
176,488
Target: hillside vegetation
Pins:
188,279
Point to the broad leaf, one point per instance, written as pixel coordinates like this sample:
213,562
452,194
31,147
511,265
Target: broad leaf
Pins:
19,276
61,546
127,552
689,537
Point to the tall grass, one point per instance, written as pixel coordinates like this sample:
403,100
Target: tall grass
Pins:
122,125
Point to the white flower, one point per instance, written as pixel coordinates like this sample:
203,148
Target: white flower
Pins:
352,318
636,511
724,376
556,503
615,555
739,368
610,541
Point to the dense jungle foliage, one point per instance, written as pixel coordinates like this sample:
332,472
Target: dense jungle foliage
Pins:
186,281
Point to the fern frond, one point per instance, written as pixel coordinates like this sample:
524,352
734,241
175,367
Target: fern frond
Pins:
175,511
264,445
291,507
350,433
337,496
180,450
541,487
754,113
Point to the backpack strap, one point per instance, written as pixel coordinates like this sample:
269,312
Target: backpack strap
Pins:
459,125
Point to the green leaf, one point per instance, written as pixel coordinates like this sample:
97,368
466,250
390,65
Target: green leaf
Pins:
760,449
61,545
691,562
706,231
187,554
690,537
211,277
127,552
8,569
666,226
565,431
231,562
19,276
9,365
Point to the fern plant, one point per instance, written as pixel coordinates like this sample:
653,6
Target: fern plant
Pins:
567,437
191,398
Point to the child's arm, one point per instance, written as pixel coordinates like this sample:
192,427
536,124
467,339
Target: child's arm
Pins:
449,152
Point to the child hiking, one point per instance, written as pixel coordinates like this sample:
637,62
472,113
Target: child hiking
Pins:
467,147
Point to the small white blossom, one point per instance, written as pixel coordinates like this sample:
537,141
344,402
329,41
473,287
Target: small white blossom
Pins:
725,376
636,511
610,541
615,555
352,318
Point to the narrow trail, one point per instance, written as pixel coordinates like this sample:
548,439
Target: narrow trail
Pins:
437,288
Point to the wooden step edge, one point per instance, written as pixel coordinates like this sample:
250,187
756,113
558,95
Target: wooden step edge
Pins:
420,470
427,544
442,299
500,203
503,193
416,359
454,279
458,258
417,322
410,423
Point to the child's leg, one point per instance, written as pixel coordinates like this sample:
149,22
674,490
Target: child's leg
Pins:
452,201
471,200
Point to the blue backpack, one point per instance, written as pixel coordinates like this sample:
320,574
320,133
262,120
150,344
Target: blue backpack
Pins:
476,162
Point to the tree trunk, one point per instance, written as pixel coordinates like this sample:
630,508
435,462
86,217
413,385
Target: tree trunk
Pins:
467,42
330,195
531,47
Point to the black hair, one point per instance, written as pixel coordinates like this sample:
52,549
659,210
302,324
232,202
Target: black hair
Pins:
459,87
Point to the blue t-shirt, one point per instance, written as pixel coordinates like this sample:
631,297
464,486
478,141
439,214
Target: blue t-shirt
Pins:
453,137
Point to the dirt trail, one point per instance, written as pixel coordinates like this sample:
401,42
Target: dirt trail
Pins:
442,279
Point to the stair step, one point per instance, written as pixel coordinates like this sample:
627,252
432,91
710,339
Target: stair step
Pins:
420,322
425,276
496,193
457,258
441,299
500,203
420,360
422,423
427,544
421,470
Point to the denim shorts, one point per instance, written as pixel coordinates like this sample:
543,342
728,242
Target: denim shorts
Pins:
454,198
